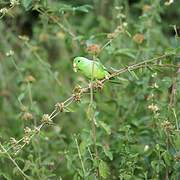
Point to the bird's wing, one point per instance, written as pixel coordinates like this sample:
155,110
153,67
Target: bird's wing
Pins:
105,69
101,65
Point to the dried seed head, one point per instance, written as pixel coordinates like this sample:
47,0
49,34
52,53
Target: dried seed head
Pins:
5,93
98,85
138,38
94,49
36,130
46,119
154,108
14,2
27,130
124,25
24,38
3,11
60,106
10,53
13,141
168,2
146,8
151,96
60,35
121,16
77,97
111,35
43,37
26,139
120,28
177,157
16,148
27,116
167,126
116,31
24,108
30,79
118,7
77,89
155,86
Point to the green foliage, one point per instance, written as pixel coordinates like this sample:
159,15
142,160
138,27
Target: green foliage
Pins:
27,4
125,130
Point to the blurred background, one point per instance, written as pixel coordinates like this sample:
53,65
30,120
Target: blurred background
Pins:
136,121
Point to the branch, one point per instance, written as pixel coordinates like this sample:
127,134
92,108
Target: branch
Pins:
78,92
14,162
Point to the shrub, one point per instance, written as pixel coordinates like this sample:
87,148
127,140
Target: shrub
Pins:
55,123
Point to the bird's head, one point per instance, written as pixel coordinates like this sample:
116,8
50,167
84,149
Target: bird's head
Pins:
78,61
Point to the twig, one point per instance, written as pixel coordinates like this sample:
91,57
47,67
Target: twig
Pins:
134,66
14,162
175,116
91,111
57,22
80,157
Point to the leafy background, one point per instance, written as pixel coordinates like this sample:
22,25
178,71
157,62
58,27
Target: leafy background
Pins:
136,122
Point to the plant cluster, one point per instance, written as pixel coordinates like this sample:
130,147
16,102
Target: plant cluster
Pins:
56,124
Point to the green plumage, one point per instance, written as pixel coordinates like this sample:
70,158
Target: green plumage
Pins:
89,68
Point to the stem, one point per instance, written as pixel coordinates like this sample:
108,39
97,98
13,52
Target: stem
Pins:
30,94
57,22
93,125
14,162
134,66
177,124
80,157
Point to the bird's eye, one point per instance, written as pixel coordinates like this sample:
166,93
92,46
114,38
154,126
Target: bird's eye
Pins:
78,61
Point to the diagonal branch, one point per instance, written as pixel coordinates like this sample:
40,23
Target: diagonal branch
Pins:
78,92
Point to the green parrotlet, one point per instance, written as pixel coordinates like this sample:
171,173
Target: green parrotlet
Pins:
89,68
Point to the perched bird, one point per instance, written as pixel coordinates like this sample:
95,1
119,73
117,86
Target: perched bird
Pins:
89,68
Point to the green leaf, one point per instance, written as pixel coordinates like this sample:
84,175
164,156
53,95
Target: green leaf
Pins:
69,162
126,52
108,153
178,51
167,158
21,97
27,4
27,165
103,169
83,147
4,176
133,74
91,111
67,8
105,127
170,51
85,8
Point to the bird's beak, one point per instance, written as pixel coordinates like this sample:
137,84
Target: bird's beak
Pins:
74,67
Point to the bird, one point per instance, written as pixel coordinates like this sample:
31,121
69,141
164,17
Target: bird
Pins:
90,68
